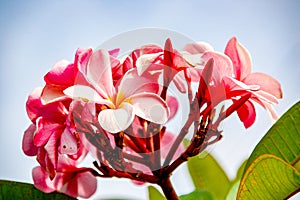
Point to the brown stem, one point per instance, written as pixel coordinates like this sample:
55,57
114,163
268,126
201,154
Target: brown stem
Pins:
191,119
168,189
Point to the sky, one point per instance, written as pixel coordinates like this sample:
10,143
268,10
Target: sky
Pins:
36,34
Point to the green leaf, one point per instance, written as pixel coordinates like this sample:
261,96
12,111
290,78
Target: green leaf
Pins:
240,172
208,175
269,177
154,194
283,139
236,182
197,195
17,190
233,191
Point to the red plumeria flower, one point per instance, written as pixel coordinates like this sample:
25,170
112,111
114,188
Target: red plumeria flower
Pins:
265,89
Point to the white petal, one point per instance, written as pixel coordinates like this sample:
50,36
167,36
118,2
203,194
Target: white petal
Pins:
85,93
116,120
144,61
151,107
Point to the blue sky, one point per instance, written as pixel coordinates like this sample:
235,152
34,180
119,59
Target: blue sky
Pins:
36,34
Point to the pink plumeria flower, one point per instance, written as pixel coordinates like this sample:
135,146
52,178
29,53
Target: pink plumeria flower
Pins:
135,95
265,89
51,133
70,180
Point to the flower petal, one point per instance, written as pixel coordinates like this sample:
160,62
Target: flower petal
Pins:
44,131
27,143
173,105
144,61
68,142
197,48
52,149
85,93
151,107
132,83
53,111
269,108
166,143
222,65
86,184
99,72
52,93
247,114
116,120
63,73
41,180
180,82
266,83
242,64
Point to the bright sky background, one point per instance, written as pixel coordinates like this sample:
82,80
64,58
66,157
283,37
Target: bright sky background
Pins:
36,34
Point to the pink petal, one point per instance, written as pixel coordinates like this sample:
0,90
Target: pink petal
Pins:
197,48
116,120
41,180
77,183
166,144
114,52
240,58
150,49
52,148
68,142
44,131
266,83
33,104
53,111
82,57
234,84
173,106
27,143
247,114
63,73
85,93
86,184
151,107
222,65
264,96
52,93
269,108
99,73
132,83
180,82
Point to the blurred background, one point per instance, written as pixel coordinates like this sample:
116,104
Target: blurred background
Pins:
34,35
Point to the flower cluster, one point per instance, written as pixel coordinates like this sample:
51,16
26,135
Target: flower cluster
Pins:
118,111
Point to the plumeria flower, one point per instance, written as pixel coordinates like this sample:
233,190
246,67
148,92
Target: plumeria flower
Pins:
51,132
70,180
135,95
265,89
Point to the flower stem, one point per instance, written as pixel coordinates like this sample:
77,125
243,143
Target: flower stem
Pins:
168,189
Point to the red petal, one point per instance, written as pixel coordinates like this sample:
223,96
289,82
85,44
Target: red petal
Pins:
247,114
63,73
